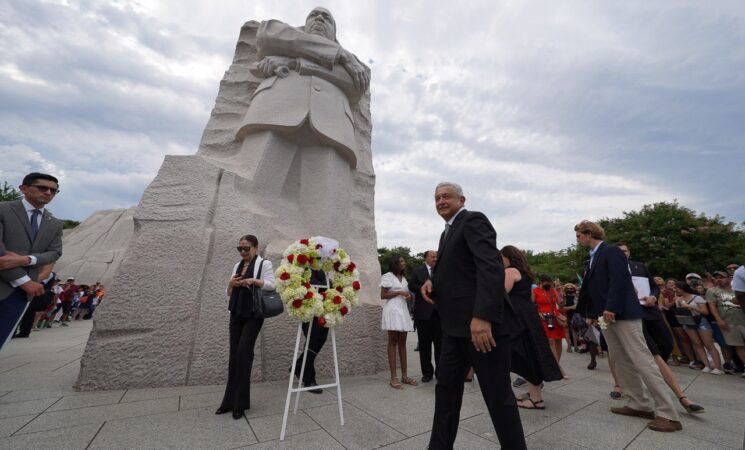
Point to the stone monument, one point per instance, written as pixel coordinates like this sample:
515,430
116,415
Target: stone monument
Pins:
95,248
286,154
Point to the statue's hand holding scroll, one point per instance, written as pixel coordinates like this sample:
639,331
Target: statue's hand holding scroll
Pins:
359,73
275,65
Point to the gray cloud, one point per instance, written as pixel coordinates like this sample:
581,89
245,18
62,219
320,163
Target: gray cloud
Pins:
546,112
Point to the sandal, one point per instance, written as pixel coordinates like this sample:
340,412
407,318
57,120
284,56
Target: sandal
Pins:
540,404
616,395
692,408
523,396
409,381
395,384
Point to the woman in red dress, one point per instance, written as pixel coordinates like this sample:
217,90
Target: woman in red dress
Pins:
547,301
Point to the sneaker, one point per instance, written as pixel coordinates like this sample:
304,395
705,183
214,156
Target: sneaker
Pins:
64,324
706,370
716,371
729,369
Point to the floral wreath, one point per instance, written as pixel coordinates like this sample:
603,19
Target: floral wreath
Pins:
303,301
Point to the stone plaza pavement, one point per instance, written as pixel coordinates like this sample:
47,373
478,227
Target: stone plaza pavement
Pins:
39,409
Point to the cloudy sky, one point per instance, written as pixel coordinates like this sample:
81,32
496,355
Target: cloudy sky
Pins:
546,112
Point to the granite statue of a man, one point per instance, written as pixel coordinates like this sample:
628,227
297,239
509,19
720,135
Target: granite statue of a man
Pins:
301,111
286,154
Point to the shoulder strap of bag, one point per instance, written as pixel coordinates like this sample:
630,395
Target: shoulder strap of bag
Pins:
261,267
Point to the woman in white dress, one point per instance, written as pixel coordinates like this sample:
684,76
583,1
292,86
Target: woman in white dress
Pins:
396,319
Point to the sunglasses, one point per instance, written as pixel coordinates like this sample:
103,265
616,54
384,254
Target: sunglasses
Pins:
40,188
243,249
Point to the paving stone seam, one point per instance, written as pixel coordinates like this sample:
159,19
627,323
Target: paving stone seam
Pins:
37,416
160,398
16,367
66,364
95,436
19,428
363,412
122,397
73,409
564,417
248,422
1,396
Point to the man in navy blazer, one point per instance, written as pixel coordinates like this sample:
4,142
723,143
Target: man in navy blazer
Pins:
607,291
467,287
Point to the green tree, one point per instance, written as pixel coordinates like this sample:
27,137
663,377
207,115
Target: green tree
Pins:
8,193
673,240
565,264
69,224
412,261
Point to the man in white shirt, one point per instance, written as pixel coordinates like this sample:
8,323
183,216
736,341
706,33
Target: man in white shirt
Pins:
30,239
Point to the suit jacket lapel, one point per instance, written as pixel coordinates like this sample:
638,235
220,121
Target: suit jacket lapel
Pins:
46,217
444,242
20,211
595,259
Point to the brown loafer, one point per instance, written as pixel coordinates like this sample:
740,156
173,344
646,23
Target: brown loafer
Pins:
664,425
626,411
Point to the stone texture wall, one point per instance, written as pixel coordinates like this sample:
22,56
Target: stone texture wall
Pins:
164,321
94,249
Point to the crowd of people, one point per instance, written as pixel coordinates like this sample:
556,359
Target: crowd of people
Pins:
60,304
480,308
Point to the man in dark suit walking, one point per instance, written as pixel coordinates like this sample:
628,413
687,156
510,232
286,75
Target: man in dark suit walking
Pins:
30,239
607,290
426,318
467,287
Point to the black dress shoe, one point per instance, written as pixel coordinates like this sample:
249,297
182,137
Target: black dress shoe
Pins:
223,410
237,414
311,384
426,378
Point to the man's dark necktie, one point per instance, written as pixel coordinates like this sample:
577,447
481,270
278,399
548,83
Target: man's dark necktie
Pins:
35,223
444,233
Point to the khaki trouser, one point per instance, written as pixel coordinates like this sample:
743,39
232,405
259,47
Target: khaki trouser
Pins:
636,368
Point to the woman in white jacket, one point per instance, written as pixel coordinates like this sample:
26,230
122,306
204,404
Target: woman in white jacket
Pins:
250,273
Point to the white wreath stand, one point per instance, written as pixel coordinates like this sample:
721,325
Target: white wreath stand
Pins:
297,390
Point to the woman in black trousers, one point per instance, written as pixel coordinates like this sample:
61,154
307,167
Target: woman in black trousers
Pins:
251,272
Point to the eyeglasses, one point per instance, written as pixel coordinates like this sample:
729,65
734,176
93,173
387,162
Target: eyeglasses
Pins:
243,249
41,188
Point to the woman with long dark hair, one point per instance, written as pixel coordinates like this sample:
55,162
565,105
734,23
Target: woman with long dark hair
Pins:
250,273
396,318
531,355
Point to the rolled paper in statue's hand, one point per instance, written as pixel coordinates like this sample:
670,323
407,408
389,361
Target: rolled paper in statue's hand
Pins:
282,71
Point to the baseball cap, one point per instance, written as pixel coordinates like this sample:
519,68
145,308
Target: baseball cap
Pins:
693,275
720,273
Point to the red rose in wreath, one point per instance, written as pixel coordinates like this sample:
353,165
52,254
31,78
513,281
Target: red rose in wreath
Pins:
337,264
290,257
322,321
309,295
302,259
285,276
343,310
339,288
337,299
351,267
356,286
297,303
304,241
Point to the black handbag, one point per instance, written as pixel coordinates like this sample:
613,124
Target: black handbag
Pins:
266,303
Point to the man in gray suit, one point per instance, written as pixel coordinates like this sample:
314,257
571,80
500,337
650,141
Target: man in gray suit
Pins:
30,239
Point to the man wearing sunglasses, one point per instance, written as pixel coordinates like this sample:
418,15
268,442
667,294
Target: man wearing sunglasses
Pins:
30,243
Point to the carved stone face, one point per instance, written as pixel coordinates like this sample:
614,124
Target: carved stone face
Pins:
322,23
